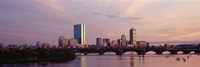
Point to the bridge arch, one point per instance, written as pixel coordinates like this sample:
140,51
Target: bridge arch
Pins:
130,52
197,51
150,52
186,51
189,52
166,52
192,52
109,53
180,52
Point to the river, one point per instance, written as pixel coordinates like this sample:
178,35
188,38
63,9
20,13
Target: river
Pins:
126,60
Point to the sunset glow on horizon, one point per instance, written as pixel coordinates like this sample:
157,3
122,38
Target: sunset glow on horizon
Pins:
29,21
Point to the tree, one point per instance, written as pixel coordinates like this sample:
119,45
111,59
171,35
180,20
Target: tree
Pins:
1,45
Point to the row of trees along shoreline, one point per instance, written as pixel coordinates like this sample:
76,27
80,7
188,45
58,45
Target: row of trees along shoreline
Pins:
8,56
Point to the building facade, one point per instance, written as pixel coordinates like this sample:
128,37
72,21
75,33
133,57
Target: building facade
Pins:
79,33
62,42
133,36
119,41
113,43
124,41
72,42
106,41
123,37
142,43
99,42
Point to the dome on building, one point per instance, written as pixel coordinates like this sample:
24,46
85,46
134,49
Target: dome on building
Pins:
123,37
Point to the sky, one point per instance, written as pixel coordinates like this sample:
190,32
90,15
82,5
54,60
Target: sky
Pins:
29,21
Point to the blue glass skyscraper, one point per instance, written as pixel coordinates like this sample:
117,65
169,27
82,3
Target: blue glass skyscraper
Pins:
79,33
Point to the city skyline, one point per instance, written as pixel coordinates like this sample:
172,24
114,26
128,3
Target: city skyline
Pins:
29,21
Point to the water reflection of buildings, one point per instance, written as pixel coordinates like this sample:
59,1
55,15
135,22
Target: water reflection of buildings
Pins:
134,62
83,61
141,60
131,62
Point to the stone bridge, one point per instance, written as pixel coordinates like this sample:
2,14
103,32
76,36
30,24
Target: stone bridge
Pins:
140,51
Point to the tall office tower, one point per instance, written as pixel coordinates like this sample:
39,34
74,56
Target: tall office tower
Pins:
79,33
133,36
99,42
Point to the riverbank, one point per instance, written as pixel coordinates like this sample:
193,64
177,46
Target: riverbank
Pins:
36,55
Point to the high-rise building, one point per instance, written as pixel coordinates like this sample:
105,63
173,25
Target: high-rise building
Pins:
99,42
106,41
62,41
79,33
133,36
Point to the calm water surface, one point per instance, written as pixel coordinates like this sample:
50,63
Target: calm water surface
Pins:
126,60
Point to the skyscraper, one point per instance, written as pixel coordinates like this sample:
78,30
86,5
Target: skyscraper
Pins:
99,42
79,33
133,36
106,41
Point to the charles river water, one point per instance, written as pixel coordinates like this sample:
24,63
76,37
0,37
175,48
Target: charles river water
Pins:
129,59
